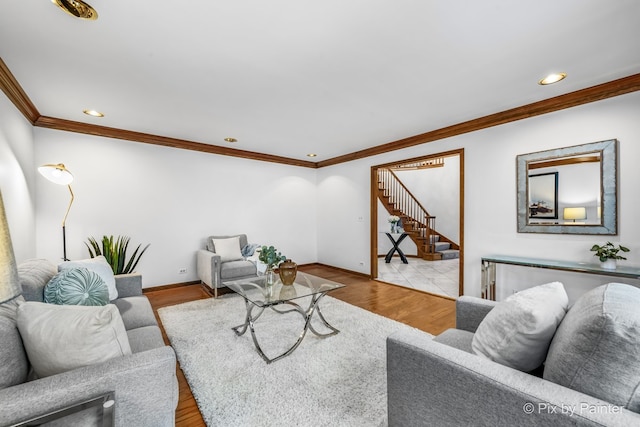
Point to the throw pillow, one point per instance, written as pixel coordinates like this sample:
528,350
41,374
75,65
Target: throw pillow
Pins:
34,275
518,330
98,265
595,350
228,249
76,286
60,338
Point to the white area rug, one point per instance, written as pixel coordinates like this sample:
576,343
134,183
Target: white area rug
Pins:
335,381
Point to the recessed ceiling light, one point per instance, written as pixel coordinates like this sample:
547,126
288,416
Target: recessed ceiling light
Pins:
77,8
311,155
552,78
231,140
93,113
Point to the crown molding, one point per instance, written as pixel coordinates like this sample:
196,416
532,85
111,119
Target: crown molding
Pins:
573,99
16,94
108,132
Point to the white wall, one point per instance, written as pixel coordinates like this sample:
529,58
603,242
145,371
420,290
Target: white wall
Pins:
17,178
172,199
490,195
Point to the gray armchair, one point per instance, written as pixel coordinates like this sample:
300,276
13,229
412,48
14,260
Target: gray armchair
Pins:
214,268
440,381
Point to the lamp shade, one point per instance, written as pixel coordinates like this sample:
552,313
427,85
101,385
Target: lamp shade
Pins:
58,174
575,213
9,282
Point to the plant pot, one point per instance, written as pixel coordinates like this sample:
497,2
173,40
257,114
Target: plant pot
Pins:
288,271
609,264
270,277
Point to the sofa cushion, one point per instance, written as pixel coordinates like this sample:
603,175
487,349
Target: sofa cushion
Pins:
228,249
136,312
76,286
98,265
145,338
34,274
595,350
517,331
237,269
15,365
59,338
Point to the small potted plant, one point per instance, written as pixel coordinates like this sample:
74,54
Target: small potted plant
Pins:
393,220
608,254
272,258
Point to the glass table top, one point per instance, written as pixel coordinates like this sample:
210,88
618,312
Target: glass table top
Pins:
254,289
580,267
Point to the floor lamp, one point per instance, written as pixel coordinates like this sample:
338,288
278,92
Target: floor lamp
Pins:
59,174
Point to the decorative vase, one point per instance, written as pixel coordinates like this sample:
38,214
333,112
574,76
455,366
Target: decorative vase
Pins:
394,227
609,264
288,271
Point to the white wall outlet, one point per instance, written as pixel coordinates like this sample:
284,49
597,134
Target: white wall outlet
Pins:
183,270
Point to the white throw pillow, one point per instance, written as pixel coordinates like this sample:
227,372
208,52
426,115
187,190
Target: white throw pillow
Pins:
60,338
98,265
228,249
517,331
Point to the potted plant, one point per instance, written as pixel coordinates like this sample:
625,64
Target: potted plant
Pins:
271,257
115,252
393,220
608,254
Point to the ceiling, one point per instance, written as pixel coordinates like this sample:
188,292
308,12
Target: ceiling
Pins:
331,77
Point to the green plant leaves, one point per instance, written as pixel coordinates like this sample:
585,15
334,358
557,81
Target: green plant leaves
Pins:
608,251
270,256
115,252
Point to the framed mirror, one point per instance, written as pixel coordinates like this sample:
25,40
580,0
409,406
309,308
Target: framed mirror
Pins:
570,190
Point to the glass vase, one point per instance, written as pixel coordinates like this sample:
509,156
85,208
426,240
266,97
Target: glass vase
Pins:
270,276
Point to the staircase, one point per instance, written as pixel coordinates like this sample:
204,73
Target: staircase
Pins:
416,221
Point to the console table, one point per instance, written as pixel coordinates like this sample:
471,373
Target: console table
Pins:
396,247
489,270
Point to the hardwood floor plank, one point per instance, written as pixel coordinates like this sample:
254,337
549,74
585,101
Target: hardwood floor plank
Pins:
430,313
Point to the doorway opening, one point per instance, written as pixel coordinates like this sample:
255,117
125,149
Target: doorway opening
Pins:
424,249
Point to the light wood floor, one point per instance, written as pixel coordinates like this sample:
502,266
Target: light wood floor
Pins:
424,311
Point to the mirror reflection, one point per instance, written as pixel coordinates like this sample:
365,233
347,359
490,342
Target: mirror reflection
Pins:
569,190
565,190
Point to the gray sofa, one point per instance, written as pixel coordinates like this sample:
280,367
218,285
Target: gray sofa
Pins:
441,381
144,384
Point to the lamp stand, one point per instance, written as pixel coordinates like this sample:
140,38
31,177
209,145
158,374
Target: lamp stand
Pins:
64,230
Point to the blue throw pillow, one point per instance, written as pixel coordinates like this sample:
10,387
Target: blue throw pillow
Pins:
76,286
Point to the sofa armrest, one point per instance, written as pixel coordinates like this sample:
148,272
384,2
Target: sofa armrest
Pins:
145,386
208,267
429,383
470,311
129,285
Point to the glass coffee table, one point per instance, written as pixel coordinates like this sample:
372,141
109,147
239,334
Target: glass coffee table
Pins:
283,299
